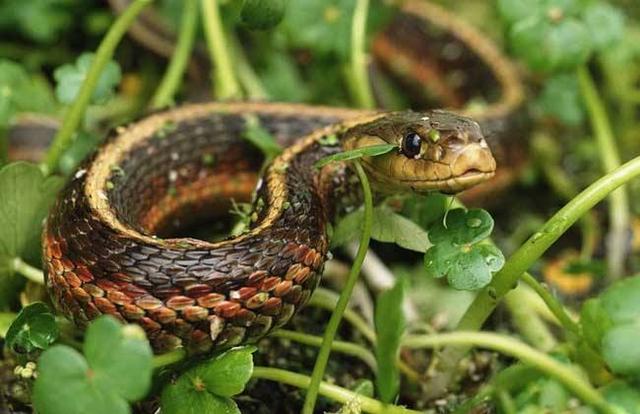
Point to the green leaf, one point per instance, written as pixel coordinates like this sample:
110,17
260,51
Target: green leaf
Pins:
262,14
457,253
188,397
594,321
26,198
605,23
514,10
323,26
624,396
10,283
561,99
353,154
40,20
34,328
19,92
64,386
207,387
120,357
227,374
391,227
390,326
70,77
388,227
260,137
620,300
463,227
551,46
116,368
425,210
620,349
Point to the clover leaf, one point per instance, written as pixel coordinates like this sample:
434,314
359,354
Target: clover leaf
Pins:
457,252
115,369
34,328
19,92
209,386
605,23
390,325
70,77
561,99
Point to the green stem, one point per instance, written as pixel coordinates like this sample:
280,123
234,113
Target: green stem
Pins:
25,269
339,394
529,324
552,303
172,78
336,316
359,69
168,358
347,348
326,299
503,281
247,77
4,145
619,215
103,55
225,84
517,349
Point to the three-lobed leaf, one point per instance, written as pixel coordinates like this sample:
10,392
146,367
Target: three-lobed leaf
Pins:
390,326
457,253
208,387
34,328
115,369
69,79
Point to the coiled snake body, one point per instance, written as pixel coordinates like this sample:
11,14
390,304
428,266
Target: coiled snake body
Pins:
103,242
100,243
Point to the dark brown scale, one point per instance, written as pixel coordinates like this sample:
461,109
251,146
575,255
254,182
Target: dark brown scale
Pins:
184,293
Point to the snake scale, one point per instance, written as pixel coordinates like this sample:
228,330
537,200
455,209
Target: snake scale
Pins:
107,241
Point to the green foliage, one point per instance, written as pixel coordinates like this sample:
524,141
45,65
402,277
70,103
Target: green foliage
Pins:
208,387
390,326
20,92
34,328
260,137
559,35
610,325
26,197
560,99
40,20
69,79
263,14
457,252
388,227
115,369
357,153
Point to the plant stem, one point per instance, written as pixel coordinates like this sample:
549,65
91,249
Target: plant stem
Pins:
618,201
503,281
247,77
336,316
104,53
172,78
339,394
168,358
361,85
225,84
517,349
326,299
529,324
347,348
4,145
25,269
552,303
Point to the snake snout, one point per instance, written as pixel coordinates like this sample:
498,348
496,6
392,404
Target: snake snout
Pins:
474,159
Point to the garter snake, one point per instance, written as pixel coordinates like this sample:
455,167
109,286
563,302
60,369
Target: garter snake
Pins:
107,245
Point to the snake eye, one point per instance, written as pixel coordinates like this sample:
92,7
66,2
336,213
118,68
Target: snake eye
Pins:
411,145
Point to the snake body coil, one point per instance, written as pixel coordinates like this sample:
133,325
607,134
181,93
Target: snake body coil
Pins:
103,244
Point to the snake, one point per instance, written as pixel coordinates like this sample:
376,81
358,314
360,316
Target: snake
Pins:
112,243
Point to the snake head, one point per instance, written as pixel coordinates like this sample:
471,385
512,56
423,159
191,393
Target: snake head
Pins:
437,151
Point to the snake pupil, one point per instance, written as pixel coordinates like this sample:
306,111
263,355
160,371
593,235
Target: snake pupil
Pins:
411,144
